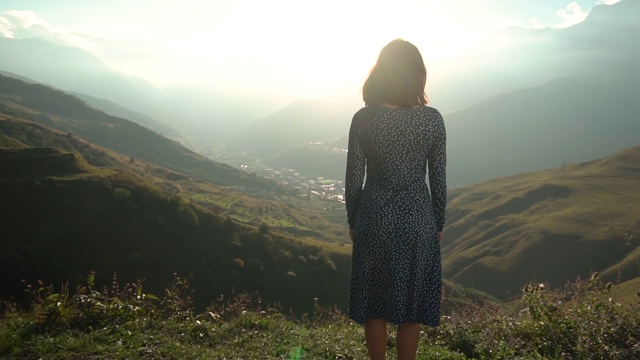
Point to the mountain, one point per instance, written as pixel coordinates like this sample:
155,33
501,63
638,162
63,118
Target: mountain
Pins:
31,113
112,109
552,226
116,110
299,123
518,58
565,120
202,113
64,112
208,115
74,69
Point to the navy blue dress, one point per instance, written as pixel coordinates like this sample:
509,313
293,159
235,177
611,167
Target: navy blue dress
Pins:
396,272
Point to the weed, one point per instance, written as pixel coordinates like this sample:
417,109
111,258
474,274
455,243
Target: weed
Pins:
579,321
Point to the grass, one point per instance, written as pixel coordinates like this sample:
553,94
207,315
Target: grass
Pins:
578,321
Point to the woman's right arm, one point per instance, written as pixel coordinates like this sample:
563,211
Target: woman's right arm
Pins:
437,162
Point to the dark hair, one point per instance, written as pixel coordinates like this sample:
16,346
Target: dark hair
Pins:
398,77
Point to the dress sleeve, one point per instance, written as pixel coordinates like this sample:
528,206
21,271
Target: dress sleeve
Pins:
437,162
355,172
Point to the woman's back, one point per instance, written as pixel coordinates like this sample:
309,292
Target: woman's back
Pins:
397,143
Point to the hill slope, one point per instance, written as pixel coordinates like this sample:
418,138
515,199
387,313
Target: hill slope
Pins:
552,225
59,110
566,120
64,218
299,123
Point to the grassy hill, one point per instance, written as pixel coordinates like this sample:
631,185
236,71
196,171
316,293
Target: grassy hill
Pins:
65,218
76,207
551,225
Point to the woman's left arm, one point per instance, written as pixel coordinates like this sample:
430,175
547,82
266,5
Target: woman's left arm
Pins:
355,172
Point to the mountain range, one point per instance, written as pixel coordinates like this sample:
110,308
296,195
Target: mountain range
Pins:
564,86
96,172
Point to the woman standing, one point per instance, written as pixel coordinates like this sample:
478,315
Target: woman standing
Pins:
394,222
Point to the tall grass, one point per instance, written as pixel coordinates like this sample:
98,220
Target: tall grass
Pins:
582,320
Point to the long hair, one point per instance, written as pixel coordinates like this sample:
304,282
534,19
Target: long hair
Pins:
398,78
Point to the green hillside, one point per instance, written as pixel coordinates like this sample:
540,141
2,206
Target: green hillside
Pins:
33,115
552,225
74,207
318,221
61,111
64,218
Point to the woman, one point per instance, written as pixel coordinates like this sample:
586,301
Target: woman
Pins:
394,223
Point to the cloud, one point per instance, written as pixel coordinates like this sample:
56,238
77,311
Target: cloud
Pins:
13,21
24,24
536,24
571,15
6,27
21,24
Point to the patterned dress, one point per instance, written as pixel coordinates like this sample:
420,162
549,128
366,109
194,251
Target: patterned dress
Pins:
396,271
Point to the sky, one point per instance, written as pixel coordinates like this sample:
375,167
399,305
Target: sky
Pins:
290,48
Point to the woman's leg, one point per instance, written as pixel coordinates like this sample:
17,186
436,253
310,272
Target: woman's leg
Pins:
375,333
407,341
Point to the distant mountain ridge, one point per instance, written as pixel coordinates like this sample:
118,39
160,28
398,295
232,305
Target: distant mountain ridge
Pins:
198,112
299,123
565,120
122,112
73,69
518,58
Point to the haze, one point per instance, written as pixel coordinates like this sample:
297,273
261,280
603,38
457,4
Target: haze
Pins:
278,50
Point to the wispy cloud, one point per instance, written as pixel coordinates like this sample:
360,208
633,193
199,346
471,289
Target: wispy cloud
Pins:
21,24
108,42
571,15
607,2
536,24
6,27
16,23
